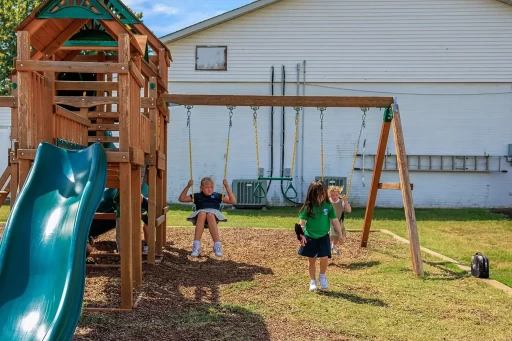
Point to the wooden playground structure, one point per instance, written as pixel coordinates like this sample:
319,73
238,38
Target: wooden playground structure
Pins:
127,98
130,97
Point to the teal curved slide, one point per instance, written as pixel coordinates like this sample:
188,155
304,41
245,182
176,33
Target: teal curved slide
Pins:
42,253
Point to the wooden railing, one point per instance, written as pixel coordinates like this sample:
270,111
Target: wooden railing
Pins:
71,126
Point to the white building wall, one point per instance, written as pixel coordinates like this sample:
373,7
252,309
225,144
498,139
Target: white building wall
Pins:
437,124
447,61
360,41
5,136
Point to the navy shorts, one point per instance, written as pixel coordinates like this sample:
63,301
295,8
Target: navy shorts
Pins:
316,248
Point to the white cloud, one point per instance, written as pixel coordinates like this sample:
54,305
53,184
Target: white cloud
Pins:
160,9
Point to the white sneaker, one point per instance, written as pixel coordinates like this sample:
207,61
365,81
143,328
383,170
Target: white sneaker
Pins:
218,251
312,285
323,281
196,250
335,249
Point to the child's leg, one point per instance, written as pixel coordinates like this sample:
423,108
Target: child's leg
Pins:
324,261
145,232
201,218
89,250
312,268
212,226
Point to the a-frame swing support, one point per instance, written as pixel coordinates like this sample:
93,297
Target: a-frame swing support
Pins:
391,119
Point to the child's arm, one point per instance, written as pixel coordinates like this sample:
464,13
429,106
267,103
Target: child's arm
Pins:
337,226
230,197
347,206
183,196
301,236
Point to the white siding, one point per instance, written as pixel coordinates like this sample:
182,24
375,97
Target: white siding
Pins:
433,124
360,41
5,136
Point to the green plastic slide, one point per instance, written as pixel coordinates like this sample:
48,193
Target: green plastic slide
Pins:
42,253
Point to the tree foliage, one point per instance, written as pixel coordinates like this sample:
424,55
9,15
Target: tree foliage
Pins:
13,12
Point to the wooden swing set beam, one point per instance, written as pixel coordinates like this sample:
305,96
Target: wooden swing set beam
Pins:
280,101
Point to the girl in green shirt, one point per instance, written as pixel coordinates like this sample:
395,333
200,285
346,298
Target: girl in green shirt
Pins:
315,218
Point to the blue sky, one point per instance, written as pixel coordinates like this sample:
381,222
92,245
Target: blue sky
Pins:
166,16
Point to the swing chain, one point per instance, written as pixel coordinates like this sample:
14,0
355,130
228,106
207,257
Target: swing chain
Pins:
322,109
363,125
255,123
296,135
189,113
230,108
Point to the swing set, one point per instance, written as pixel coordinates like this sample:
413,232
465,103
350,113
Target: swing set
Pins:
391,118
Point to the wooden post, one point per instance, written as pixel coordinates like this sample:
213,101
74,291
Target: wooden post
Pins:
164,184
410,216
135,142
14,143
46,111
125,183
374,185
153,117
24,105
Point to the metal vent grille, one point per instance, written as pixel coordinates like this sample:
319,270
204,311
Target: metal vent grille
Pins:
243,191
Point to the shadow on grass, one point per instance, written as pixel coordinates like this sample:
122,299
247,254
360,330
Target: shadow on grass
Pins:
358,265
353,298
446,274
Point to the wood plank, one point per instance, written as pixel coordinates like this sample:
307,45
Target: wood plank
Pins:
85,102
104,127
46,114
103,139
154,235
374,185
148,102
118,157
5,175
81,48
84,86
94,58
136,156
135,72
403,172
26,154
63,66
8,102
105,216
389,185
105,115
160,220
70,115
279,101
61,38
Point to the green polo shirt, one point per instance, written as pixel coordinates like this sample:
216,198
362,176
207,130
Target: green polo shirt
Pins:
319,224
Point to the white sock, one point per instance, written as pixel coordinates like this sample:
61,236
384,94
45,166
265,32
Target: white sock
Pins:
321,276
215,244
197,243
313,281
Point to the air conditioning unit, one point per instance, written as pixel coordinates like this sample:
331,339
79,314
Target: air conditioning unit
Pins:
334,181
244,192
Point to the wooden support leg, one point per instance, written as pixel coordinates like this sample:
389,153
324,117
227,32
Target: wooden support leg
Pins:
160,241
126,236
410,216
374,186
152,215
136,241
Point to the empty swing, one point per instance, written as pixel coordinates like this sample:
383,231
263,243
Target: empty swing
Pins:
260,192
